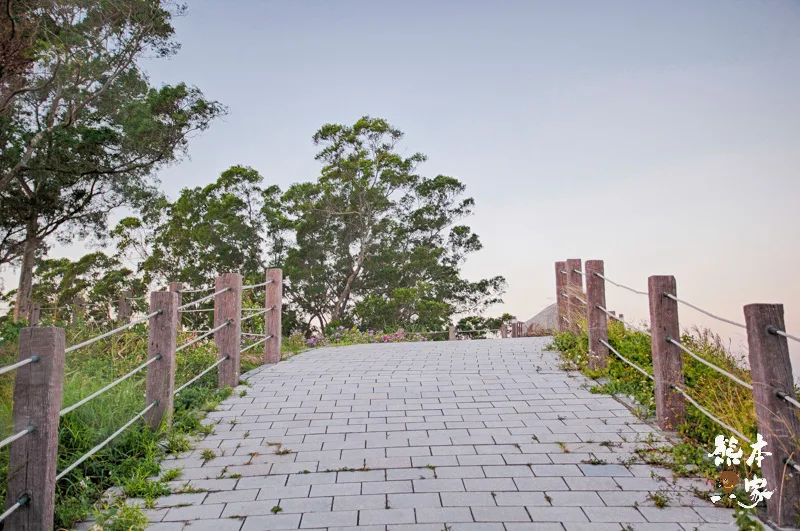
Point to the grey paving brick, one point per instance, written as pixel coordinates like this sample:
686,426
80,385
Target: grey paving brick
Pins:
386,516
479,412
500,514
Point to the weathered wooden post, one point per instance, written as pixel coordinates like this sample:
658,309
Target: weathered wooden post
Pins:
401,333
575,310
37,400
451,333
228,308
597,319
272,319
162,335
124,307
621,317
561,295
34,314
176,287
503,331
771,372
513,327
667,362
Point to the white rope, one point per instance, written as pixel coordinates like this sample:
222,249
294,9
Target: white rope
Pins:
788,398
23,500
9,440
76,405
100,446
676,299
254,335
564,294
248,347
198,338
581,300
262,312
709,364
626,360
201,290
563,272
120,329
19,364
622,320
203,299
707,414
579,272
621,285
784,334
792,464
251,286
196,311
193,380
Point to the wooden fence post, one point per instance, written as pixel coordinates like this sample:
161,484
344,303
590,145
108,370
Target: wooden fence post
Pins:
162,335
176,287
37,401
667,361
575,310
513,327
272,319
34,314
561,295
228,308
771,372
451,333
503,331
124,307
597,319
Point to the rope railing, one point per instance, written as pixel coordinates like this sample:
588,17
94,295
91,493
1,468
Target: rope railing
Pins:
564,294
676,299
786,398
252,286
709,364
200,290
23,500
623,321
198,338
789,462
102,445
193,380
113,384
112,332
253,335
20,435
581,273
199,310
623,286
626,360
248,347
774,330
262,312
17,365
581,300
563,272
203,299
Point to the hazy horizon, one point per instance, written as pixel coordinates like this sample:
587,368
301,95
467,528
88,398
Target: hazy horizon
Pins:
659,137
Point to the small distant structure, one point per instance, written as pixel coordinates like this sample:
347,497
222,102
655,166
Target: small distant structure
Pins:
543,323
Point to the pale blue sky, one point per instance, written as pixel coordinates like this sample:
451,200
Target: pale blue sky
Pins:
661,137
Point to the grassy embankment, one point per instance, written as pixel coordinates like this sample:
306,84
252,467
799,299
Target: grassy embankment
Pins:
728,401
134,456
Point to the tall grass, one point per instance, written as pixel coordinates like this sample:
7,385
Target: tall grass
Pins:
134,456
728,401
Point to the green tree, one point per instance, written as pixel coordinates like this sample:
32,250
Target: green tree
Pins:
86,139
370,225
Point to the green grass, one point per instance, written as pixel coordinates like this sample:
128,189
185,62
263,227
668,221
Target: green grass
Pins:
724,398
132,458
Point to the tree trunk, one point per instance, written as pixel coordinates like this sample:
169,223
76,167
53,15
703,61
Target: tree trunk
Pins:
25,288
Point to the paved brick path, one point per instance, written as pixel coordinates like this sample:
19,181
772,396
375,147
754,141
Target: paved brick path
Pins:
478,435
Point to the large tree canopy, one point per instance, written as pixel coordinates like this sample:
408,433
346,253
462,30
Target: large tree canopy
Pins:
83,131
375,242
